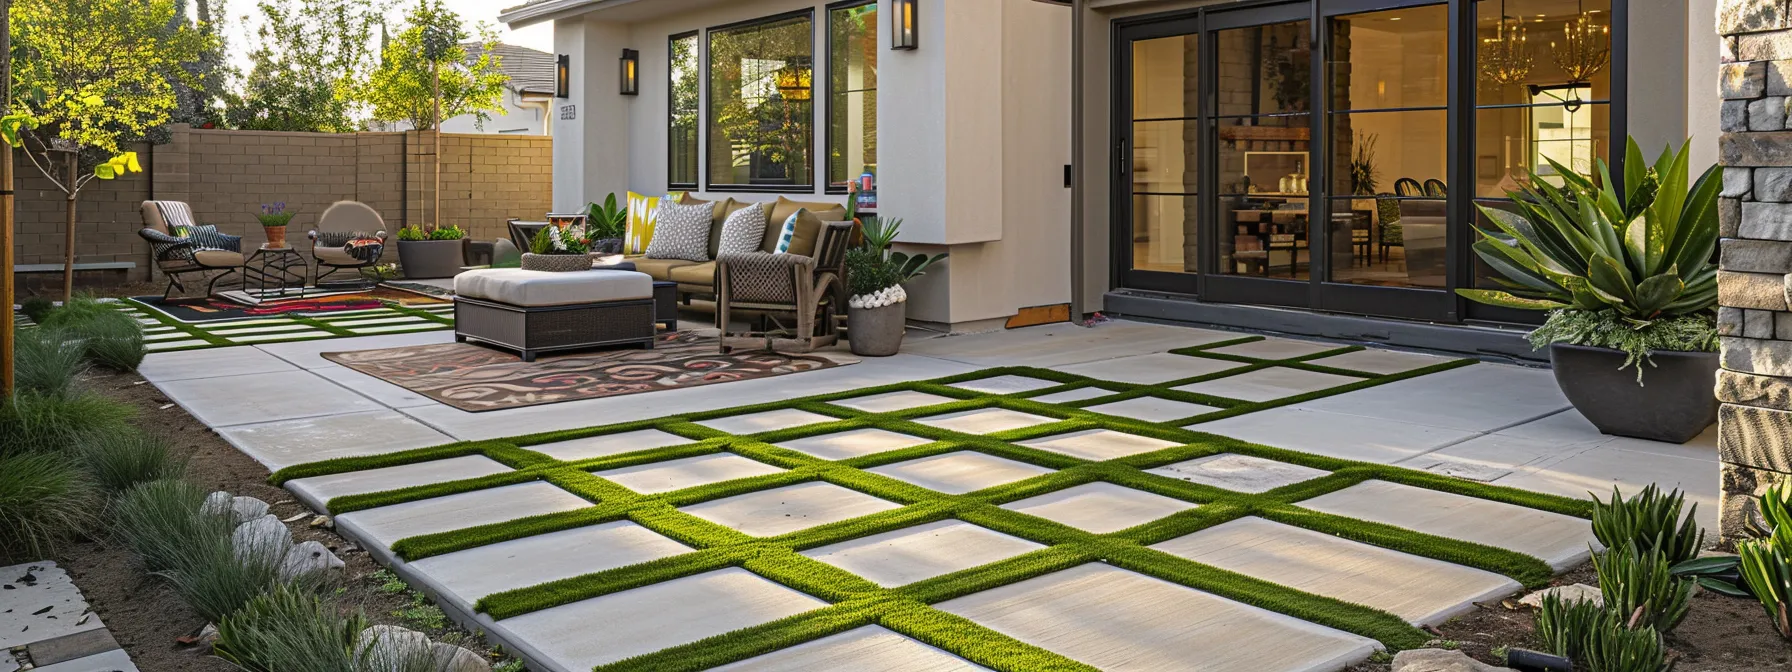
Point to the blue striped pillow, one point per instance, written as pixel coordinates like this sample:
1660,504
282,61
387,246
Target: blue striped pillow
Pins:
789,232
208,237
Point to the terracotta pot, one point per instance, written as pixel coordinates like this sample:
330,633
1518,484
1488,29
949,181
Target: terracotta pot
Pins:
276,237
556,263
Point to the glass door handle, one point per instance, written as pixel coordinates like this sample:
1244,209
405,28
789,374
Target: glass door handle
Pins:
1121,157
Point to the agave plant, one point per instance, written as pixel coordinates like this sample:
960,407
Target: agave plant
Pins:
1767,568
607,220
881,233
1645,253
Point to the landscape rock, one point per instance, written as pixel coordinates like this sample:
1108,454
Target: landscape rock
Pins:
264,537
450,658
388,648
244,508
1578,592
1440,660
308,558
216,504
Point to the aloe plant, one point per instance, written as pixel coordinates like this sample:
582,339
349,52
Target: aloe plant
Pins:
1645,253
1767,568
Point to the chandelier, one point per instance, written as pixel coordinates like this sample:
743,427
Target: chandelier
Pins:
1504,58
1585,48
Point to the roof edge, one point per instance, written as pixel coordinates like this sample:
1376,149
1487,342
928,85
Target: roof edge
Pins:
540,11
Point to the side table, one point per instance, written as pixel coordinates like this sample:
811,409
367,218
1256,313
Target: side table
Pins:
274,271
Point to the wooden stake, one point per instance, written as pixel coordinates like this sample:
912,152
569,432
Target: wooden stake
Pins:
6,202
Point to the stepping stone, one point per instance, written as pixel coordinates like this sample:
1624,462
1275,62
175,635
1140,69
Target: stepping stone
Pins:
1239,473
1421,590
769,513
1151,369
608,444
1152,409
688,472
115,660
851,444
1113,619
266,397
960,472
328,314
477,572
321,489
271,329
1269,384
892,401
173,345
1276,348
231,362
601,630
51,589
387,524
1006,384
377,320
418,326
1384,362
1351,437
222,326
985,421
1562,541
1100,507
166,335
1077,394
1098,444
901,557
867,649
293,336
282,444
755,423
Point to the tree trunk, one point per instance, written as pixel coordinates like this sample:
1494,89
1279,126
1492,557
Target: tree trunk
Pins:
68,270
6,202
435,82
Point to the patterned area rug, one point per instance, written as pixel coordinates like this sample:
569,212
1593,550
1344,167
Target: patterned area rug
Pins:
478,378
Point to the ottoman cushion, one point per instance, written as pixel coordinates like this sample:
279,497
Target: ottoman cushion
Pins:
518,287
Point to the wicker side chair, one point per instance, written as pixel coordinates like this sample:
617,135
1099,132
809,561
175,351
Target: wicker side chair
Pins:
180,250
784,284
331,249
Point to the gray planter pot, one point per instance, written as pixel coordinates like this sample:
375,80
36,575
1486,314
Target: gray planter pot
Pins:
556,263
423,259
876,332
1675,403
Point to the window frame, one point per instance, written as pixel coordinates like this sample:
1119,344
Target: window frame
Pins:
828,127
708,106
672,110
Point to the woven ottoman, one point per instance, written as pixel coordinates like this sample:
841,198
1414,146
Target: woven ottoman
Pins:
533,311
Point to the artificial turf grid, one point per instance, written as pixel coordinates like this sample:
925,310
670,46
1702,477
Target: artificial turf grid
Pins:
324,324
905,609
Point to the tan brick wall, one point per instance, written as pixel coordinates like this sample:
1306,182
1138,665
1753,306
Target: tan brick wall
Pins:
227,175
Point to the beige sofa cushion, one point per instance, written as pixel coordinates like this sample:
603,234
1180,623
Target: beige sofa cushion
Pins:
660,269
218,258
784,208
518,287
696,274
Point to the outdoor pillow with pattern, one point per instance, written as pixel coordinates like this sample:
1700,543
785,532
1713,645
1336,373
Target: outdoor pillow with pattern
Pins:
789,233
743,230
681,232
642,211
208,237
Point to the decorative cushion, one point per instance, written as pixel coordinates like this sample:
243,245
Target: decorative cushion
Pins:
518,287
788,232
642,214
784,208
805,233
681,232
743,230
208,237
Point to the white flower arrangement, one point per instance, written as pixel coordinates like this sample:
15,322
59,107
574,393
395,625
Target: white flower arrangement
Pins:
888,296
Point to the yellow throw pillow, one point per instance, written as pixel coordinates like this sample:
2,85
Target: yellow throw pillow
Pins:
642,214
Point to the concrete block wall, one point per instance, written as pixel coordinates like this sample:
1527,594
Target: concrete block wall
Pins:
227,175
1755,280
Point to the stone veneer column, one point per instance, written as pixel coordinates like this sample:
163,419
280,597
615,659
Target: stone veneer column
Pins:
1755,280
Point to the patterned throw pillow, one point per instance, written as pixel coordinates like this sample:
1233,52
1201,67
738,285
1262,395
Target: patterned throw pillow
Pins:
789,232
208,237
642,211
681,232
743,230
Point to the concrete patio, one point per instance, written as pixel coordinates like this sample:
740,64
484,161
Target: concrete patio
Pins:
284,404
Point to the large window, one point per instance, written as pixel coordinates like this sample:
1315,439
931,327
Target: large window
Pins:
852,93
681,160
761,105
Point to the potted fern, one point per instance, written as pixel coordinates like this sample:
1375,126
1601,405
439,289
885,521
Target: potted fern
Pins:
431,252
877,311
1628,279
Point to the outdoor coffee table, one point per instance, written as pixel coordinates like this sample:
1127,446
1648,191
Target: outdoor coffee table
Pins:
275,271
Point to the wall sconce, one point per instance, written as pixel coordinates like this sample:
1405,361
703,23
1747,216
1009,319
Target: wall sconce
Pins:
904,28
562,76
631,72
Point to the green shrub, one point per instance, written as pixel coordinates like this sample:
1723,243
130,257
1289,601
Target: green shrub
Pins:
37,308
46,361
1767,569
289,629
448,233
412,234
1776,507
122,459
160,522
33,422
867,272
1611,647
1562,626
1651,521
113,339
77,310
215,581
44,499
1640,587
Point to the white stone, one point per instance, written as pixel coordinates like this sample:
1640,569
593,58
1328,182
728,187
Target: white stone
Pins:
985,421
319,490
585,634
308,558
281,444
384,525
264,539
1240,473
960,472
1561,541
892,401
1078,394
854,443
901,557
466,576
389,648
1421,590
1152,369
218,503
451,658
1113,619
1352,437
769,513
866,649
609,444
1005,384
1269,384
755,423
1152,409
1573,592
688,472
1100,507
1440,660
1276,348
1098,444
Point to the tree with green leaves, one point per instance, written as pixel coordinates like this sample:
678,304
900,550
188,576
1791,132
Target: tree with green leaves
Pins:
199,103
432,46
90,77
306,59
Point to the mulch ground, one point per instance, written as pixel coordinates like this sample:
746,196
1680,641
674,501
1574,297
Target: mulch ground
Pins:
143,613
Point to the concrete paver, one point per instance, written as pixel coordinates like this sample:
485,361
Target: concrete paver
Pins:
1562,541
867,649
1098,444
474,573
388,524
1241,473
960,472
1100,507
769,513
690,472
901,557
854,443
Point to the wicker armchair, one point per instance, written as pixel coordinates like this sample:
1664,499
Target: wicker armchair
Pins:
332,248
810,287
191,253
